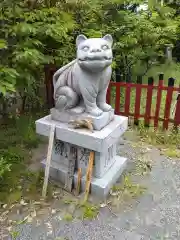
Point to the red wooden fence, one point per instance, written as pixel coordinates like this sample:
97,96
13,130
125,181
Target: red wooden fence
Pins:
152,111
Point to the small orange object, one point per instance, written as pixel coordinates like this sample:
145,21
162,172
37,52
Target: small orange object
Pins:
78,186
89,175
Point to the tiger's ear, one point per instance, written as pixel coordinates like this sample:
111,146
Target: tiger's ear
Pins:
81,38
109,39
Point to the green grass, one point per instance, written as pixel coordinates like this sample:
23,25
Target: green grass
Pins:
68,217
158,137
128,189
89,211
17,139
167,141
172,152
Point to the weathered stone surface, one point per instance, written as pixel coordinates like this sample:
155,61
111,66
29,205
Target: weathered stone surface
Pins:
100,187
107,165
103,160
97,141
82,84
99,122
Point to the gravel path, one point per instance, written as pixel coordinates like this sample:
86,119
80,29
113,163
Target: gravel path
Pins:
153,215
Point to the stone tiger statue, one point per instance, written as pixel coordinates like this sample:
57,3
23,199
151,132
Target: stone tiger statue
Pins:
83,82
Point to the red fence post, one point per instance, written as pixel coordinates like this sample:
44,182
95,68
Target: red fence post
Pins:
150,88
168,102
138,99
117,100
158,101
177,112
149,101
127,99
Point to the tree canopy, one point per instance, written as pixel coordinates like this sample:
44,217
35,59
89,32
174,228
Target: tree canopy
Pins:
34,33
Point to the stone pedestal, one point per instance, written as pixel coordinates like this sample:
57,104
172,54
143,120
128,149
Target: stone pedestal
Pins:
74,114
107,166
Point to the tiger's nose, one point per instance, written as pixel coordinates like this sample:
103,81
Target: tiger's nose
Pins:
94,50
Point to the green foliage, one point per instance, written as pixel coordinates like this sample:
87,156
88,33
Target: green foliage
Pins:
14,234
19,131
32,35
36,33
128,188
7,159
17,138
89,211
169,138
68,217
8,79
139,38
4,166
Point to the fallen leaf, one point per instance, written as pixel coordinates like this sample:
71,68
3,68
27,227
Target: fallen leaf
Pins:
29,219
23,203
56,193
37,203
42,211
4,213
9,228
53,211
114,193
12,206
49,225
49,232
102,205
33,214
18,211
38,223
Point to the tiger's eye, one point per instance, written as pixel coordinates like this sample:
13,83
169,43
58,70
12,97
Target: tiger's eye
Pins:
105,47
85,48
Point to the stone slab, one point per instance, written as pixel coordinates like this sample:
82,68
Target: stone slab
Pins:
98,141
100,187
98,122
102,161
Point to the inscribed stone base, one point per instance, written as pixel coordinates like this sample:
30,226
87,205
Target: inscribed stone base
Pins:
107,165
102,161
98,122
100,187
98,141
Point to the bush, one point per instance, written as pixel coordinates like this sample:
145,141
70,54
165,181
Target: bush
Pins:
4,167
7,159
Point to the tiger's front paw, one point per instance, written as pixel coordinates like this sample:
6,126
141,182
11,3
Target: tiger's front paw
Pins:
104,107
95,111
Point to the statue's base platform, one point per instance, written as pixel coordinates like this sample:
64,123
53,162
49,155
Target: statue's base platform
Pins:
107,165
100,187
74,114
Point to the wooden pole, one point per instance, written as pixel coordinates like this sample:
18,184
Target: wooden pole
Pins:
78,186
71,168
89,175
48,161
